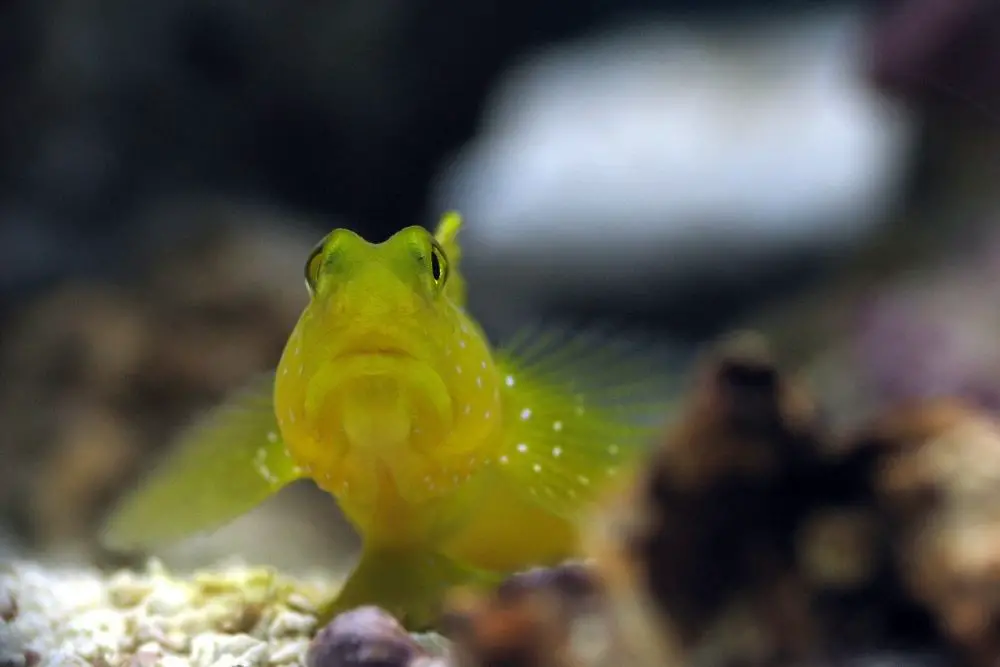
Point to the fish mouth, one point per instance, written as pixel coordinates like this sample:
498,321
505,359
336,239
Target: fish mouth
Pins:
381,351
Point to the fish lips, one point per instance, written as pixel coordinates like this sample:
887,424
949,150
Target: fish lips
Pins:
374,346
375,353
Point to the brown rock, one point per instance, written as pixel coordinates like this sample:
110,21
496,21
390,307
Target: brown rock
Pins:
517,626
837,547
699,545
93,451
82,337
939,483
8,606
98,377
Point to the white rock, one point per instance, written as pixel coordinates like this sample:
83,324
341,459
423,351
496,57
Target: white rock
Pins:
209,648
293,651
228,661
302,603
63,659
168,600
173,661
291,623
11,647
660,148
76,616
127,589
150,647
205,649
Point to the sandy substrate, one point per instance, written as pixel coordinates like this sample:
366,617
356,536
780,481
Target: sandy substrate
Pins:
63,615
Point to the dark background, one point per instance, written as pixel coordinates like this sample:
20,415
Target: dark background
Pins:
339,110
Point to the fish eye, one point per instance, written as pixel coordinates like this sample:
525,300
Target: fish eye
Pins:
313,264
439,264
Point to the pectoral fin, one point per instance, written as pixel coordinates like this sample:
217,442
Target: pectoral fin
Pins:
583,406
222,466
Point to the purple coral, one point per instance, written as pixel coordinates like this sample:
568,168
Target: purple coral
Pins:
928,51
363,637
935,336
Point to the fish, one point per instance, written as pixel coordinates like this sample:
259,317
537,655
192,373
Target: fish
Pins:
457,461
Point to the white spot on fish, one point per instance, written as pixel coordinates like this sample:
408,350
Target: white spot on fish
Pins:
583,480
522,448
298,349
612,471
284,371
526,413
482,364
467,408
461,344
291,416
557,452
613,450
479,381
260,460
272,436
509,380
557,425
536,468
503,459
458,369
486,415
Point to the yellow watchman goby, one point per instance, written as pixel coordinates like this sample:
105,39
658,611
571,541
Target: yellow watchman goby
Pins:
456,462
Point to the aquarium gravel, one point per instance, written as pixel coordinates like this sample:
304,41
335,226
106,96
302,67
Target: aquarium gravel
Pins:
235,615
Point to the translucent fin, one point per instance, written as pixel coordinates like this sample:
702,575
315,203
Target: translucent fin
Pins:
579,408
410,585
447,235
221,467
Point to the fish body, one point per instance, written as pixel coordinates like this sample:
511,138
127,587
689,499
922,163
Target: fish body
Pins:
455,461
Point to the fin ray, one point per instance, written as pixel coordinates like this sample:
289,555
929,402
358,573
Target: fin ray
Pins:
220,467
580,406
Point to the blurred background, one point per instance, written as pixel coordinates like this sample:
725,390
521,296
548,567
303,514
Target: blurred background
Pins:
825,170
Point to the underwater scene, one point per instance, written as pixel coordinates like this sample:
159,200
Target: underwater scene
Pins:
649,333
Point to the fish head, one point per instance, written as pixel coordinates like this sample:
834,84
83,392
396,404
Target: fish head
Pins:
384,374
